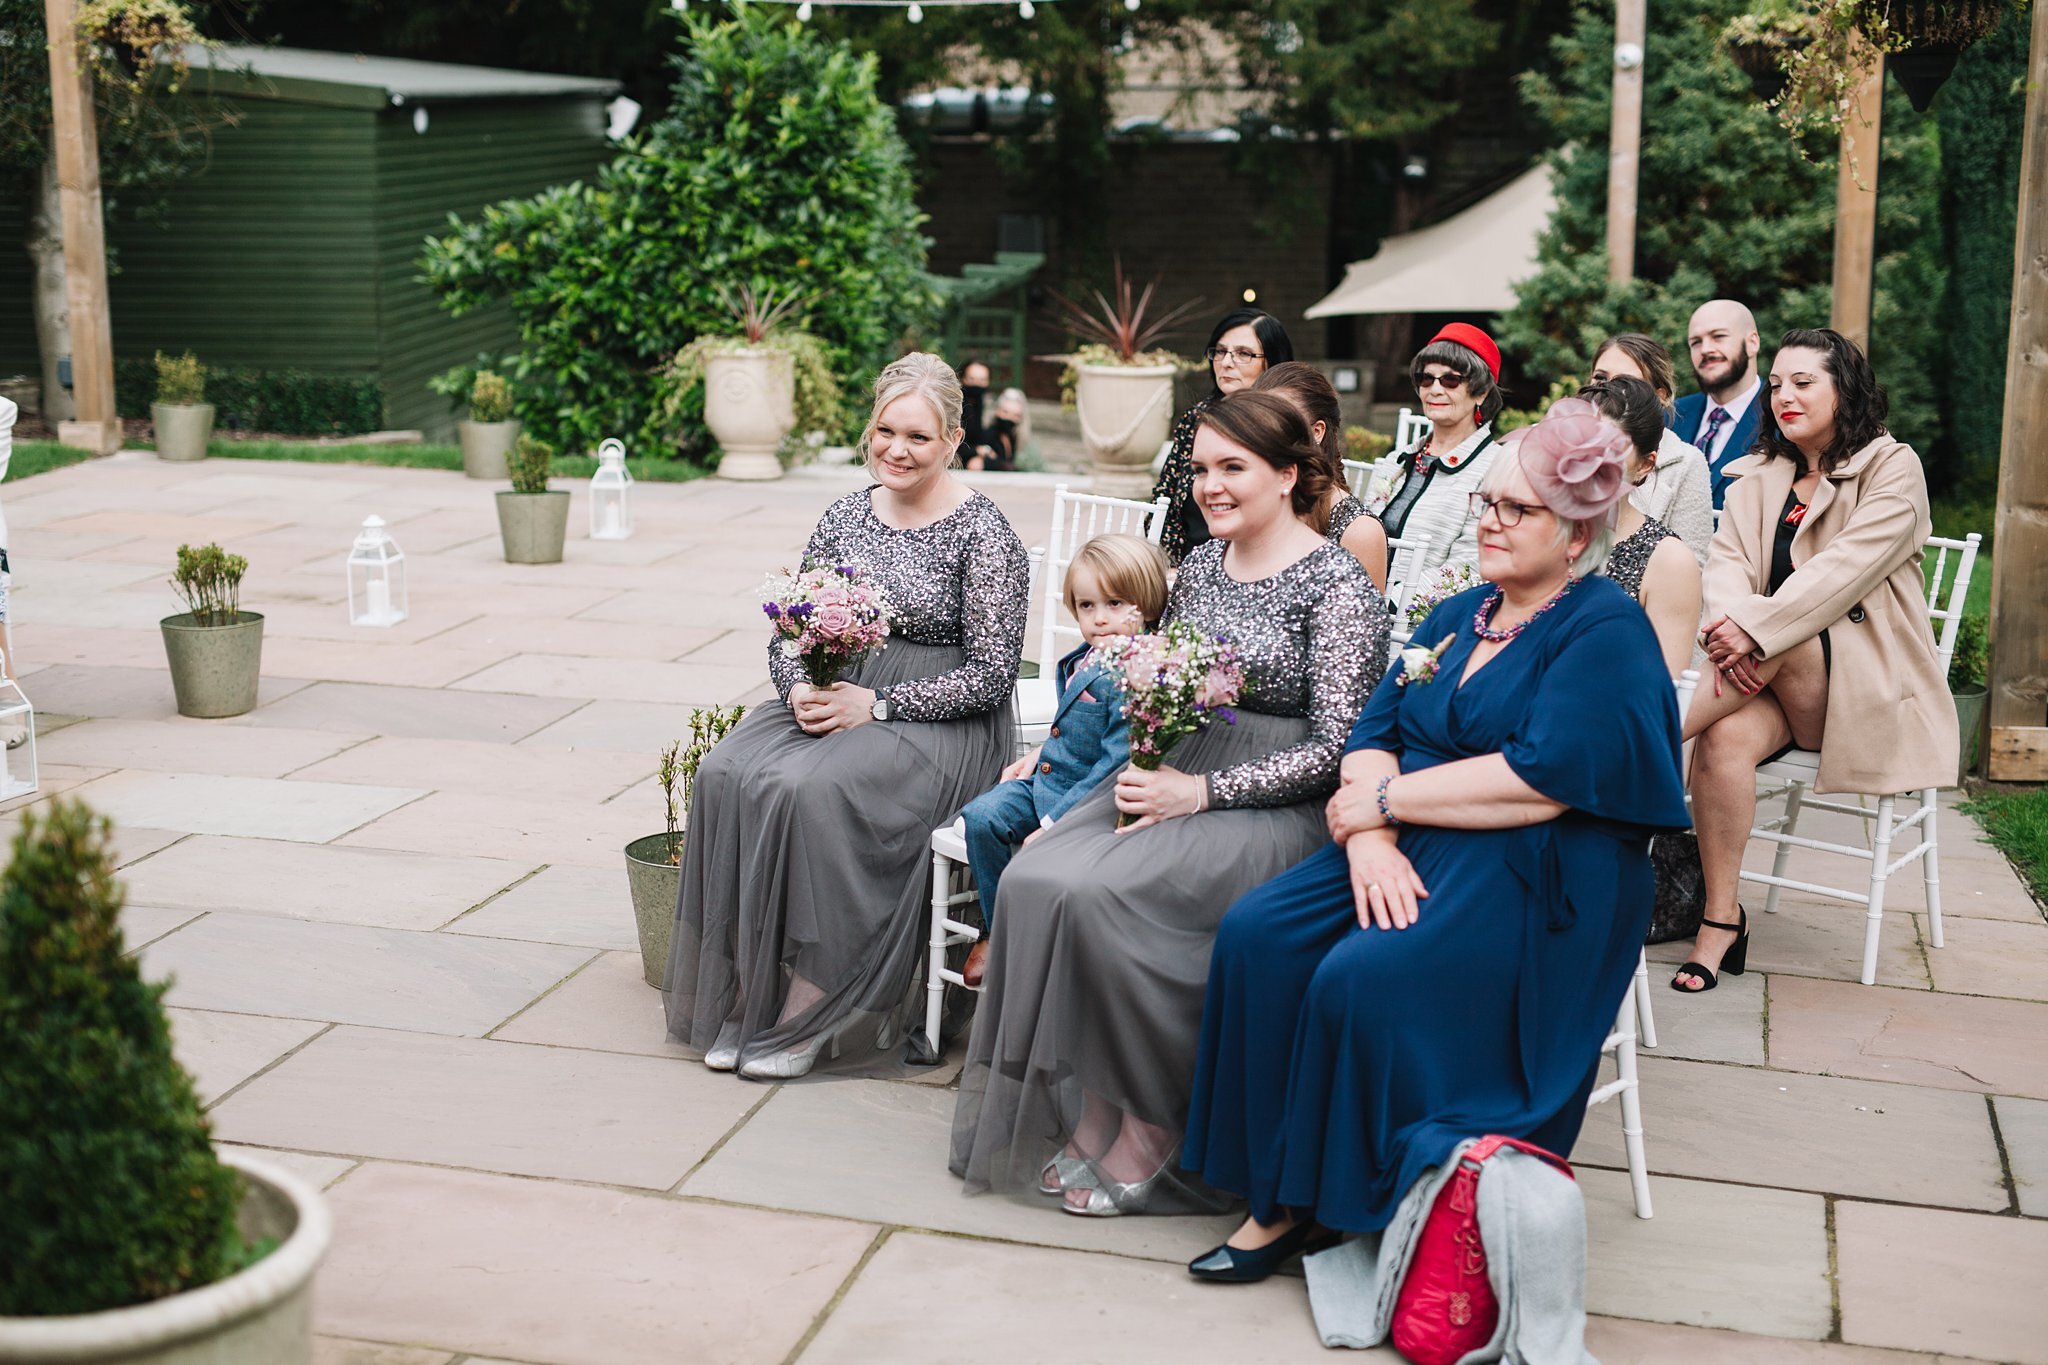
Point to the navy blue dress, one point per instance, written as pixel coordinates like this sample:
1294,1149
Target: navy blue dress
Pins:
1339,1063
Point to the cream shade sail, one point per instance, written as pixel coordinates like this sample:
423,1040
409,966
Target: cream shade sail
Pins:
1468,263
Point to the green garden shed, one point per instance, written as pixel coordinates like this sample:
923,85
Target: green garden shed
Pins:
296,248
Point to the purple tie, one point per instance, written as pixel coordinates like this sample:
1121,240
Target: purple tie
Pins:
1716,419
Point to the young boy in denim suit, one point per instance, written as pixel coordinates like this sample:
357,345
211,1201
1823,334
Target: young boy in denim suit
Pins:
1115,586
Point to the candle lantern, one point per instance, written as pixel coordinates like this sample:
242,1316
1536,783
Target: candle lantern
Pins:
18,757
611,494
376,577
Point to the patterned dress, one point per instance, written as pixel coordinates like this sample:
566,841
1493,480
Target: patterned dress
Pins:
1629,560
1186,527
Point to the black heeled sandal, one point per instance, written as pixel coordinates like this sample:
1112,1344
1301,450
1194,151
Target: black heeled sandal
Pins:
1733,962
1230,1265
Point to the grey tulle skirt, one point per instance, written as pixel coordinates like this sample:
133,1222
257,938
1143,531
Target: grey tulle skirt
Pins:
809,856
1098,963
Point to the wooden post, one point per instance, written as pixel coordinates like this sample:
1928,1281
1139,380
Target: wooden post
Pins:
2019,564
76,146
1624,139
1856,203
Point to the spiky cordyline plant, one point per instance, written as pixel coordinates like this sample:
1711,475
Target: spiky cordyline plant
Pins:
1121,324
759,314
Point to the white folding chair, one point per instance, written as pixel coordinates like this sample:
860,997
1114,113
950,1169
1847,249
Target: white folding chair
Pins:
1358,477
1076,518
1411,429
1797,770
1405,558
952,890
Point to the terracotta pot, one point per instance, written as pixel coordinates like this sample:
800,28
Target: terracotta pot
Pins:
749,404
1126,411
182,429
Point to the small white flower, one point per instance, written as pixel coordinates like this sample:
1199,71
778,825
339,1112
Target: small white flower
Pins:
790,650
1419,664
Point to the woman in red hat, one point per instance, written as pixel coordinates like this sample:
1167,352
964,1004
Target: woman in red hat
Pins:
1424,491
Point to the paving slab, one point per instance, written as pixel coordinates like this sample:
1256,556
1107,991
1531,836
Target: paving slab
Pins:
498,769
508,1107
137,609
2023,1126
1725,1024
383,887
1618,1341
323,615
256,807
571,675
178,527
347,974
134,843
372,661
1814,938
80,690
1991,957
574,1276
82,577
1914,1037
183,745
1079,1307
411,712
1748,1124
317,1171
562,904
339,1351
606,1007
142,924
1989,1305
49,642
509,635
223,1050
641,727
525,829
666,609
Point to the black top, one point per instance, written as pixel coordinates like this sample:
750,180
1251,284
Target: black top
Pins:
1781,542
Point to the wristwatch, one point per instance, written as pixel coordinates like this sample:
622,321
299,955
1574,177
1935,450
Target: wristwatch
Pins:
883,709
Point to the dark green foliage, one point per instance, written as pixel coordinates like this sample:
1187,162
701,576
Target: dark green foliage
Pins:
1726,206
529,464
1966,667
777,167
110,1193
285,402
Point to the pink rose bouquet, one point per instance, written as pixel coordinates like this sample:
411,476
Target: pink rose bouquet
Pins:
829,618
1174,683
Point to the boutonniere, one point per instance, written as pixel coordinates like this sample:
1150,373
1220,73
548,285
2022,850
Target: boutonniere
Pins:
1419,665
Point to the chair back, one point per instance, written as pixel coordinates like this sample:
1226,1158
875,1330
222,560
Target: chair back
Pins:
1685,684
1358,477
1410,430
1078,518
1405,558
1945,600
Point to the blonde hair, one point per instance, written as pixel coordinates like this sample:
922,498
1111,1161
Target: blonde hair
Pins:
1599,530
1128,567
1023,408
925,376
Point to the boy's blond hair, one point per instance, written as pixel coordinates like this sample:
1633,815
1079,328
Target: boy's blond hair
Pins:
1126,567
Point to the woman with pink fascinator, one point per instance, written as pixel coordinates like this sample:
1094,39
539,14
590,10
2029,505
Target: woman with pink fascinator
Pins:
1449,965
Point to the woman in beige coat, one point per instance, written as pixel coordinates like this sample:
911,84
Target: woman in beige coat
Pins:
1816,622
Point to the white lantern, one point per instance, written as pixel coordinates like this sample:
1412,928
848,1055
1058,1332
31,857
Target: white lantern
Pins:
18,728
611,494
376,577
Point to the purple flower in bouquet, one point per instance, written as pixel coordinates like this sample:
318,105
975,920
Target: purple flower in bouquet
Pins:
1447,582
828,618
1174,683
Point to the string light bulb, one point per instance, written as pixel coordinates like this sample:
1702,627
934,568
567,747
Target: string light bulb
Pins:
803,12
1025,9
916,14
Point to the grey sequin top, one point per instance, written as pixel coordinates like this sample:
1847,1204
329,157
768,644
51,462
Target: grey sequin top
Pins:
1313,641
957,581
1347,510
1629,560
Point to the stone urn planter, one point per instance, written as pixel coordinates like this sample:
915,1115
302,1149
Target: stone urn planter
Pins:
259,1316
655,883
485,446
750,405
1126,411
182,429
533,526
214,669
1970,702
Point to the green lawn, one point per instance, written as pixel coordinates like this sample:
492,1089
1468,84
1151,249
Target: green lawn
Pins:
434,457
40,457
2016,822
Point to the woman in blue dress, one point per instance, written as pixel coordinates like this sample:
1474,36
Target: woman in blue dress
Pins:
1449,966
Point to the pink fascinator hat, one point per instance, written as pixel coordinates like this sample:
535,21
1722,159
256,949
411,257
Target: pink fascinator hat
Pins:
1575,458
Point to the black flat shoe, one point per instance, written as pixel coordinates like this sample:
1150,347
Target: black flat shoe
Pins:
1229,1265
1733,962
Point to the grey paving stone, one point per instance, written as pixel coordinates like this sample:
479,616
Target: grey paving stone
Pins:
80,690
561,904
1989,1305
1917,1037
1992,957
608,1007
182,745
524,827
317,1171
413,712
1725,1024
337,1351
388,888
1618,1341
494,768
142,924
223,1050
2023,1125
255,807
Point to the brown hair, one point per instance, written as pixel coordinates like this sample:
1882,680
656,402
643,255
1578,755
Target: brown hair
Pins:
1310,390
1273,429
1131,568
1649,356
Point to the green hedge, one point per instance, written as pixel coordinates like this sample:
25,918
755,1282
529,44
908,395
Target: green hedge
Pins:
287,402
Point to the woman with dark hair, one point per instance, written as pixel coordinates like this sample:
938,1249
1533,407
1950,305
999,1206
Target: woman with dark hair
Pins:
1817,624
1680,491
1340,516
1426,491
1243,346
1076,1083
1648,559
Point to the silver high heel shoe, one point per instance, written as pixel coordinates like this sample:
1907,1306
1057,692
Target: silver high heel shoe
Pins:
787,1066
1065,1173
1112,1199
724,1052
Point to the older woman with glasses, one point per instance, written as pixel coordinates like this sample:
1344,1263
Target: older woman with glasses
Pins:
1422,491
1243,345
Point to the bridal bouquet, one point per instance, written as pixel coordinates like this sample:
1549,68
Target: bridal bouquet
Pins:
830,617
1448,581
1174,683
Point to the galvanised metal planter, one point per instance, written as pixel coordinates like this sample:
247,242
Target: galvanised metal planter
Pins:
182,429
485,446
655,883
533,526
214,669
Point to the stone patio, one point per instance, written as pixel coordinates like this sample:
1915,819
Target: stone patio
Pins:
395,908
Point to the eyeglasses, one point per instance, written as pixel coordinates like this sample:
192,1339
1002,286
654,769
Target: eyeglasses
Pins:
1236,353
1506,511
1451,380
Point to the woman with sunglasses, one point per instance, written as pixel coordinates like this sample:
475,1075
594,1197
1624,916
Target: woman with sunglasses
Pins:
1243,346
1424,491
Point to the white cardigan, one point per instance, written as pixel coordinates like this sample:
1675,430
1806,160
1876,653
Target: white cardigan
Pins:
1680,493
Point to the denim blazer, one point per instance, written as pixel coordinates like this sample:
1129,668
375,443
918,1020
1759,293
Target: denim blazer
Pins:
1090,740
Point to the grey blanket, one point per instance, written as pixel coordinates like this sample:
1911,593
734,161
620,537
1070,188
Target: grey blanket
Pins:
1534,1225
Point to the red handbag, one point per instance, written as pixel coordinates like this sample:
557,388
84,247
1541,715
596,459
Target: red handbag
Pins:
1446,1308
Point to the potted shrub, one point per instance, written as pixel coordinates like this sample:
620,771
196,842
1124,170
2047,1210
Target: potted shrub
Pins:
488,436
654,864
533,521
1124,390
1966,671
183,417
127,1239
750,381
1759,43
215,648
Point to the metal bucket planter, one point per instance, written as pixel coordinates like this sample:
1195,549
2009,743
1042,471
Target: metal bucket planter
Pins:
214,669
533,526
485,446
749,404
1970,703
655,883
258,1316
1125,413
182,429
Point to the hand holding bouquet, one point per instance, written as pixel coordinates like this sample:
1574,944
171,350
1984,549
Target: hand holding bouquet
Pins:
829,617
1174,683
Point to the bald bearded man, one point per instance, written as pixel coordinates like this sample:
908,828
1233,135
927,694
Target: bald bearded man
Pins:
1721,419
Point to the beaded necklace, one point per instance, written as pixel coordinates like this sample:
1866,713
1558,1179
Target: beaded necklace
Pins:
1492,602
